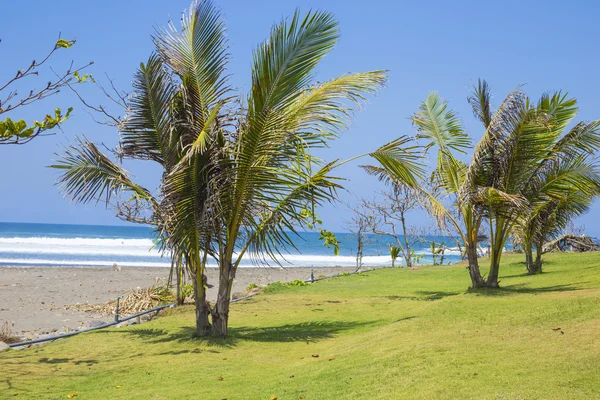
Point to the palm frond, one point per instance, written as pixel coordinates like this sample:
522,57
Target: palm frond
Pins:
283,65
280,217
480,101
146,128
89,175
440,125
401,162
324,110
198,56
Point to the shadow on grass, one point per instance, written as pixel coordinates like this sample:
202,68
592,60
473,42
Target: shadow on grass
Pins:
47,360
301,332
424,296
522,289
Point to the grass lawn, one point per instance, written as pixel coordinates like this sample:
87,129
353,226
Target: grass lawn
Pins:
388,334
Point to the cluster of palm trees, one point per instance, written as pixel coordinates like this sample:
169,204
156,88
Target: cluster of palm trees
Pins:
528,176
239,176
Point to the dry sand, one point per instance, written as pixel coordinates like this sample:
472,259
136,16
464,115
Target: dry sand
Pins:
33,299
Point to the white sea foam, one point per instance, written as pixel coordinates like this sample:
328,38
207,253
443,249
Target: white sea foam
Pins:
290,261
93,263
142,252
87,246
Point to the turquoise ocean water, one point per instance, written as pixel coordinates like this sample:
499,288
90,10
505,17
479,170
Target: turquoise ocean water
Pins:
24,244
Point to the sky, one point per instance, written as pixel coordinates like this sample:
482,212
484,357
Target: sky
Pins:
438,46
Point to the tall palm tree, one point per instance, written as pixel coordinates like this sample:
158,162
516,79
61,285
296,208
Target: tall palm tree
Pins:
148,132
238,170
440,127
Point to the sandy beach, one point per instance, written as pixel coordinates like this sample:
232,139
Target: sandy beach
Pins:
33,299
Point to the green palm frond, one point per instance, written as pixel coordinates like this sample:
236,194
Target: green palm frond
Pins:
480,101
283,65
489,156
277,223
146,128
400,161
198,56
89,175
440,125
582,139
559,108
324,110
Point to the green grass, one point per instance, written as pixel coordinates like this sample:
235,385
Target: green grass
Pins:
388,334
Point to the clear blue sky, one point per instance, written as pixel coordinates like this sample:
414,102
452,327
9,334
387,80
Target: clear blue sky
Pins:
435,45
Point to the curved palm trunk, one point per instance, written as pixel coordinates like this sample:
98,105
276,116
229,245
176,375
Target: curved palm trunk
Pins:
529,260
537,263
220,314
498,241
202,307
474,272
529,263
472,223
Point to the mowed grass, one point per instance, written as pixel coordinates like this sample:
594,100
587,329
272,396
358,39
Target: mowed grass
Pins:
387,334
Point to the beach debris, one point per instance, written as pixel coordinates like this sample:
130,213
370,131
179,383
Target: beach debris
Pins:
116,267
6,334
576,243
3,346
135,301
315,356
71,395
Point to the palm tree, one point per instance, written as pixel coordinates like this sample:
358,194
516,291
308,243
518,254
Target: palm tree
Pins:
521,164
440,127
522,143
546,221
238,170
565,181
147,133
395,252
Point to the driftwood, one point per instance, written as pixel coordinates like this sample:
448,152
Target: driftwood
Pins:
570,242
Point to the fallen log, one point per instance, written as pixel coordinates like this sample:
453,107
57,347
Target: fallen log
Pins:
571,242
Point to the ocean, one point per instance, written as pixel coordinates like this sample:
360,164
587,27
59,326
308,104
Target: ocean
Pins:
28,244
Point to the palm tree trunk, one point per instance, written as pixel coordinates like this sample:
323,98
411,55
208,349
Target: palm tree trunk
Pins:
492,280
202,308
538,258
179,283
220,314
476,278
529,263
495,256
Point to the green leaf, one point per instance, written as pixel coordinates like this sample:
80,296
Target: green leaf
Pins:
64,44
